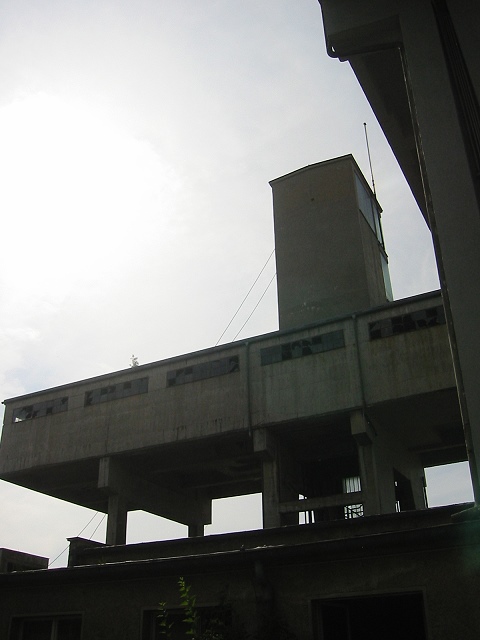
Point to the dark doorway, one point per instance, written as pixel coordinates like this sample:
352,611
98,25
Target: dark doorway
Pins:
403,492
396,617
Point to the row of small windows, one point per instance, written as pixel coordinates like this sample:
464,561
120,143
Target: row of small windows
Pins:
40,409
203,370
130,388
116,391
304,347
406,322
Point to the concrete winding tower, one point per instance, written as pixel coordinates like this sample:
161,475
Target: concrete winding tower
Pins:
329,245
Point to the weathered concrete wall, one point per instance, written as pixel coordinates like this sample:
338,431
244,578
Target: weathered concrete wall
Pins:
286,581
362,373
163,415
11,560
308,386
325,251
394,367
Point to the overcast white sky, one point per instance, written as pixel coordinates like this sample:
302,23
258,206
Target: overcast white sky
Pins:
137,140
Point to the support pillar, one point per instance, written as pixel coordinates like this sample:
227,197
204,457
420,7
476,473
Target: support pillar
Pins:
390,475
117,520
364,437
129,490
196,530
278,480
270,494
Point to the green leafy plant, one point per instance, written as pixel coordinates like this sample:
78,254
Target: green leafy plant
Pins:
188,602
217,625
165,627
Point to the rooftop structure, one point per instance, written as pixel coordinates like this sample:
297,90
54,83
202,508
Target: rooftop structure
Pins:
11,561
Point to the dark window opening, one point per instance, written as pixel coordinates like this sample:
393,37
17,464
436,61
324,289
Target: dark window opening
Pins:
351,511
395,617
329,478
304,347
404,499
116,391
423,319
40,409
47,628
203,370
369,209
352,484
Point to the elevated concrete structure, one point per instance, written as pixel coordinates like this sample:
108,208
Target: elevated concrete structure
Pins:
334,416
291,413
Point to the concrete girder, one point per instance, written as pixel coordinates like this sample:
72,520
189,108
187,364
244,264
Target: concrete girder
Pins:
138,493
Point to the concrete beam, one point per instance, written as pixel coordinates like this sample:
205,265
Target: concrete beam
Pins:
139,493
117,520
278,479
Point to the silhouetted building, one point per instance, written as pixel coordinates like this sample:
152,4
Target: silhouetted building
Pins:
417,62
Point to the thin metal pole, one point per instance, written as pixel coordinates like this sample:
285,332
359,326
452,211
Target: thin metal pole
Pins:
369,159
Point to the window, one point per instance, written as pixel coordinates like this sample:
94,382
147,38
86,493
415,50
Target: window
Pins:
203,370
47,628
40,409
353,511
386,277
116,391
404,498
352,485
304,347
369,208
395,617
423,319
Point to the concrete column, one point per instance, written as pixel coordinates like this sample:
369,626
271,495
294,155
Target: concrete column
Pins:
383,459
451,186
278,477
364,437
196,530
369,481
270,494
123,487
117,520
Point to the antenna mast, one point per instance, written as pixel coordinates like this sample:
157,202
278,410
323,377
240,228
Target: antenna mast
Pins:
369,159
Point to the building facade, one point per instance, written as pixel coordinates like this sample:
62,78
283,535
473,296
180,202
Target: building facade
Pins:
417,63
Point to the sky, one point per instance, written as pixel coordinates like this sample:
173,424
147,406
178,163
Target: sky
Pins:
137,142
